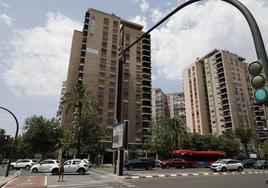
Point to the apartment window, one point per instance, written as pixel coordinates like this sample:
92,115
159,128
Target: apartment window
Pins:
106,21
115,24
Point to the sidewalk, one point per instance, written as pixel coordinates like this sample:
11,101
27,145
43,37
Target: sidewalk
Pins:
4,180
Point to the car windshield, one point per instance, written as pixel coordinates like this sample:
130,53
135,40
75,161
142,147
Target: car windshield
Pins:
220,161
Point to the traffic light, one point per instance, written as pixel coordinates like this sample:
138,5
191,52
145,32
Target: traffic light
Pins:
259,82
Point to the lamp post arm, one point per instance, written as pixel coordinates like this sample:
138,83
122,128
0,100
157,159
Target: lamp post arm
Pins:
16,135
256,34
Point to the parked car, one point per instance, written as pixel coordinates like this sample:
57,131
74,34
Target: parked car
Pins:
224,165
71,166
88,162
23,163
44,166
261,164
178,163
249,163
157,163
145,163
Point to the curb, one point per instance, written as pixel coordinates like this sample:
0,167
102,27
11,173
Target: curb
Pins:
194,174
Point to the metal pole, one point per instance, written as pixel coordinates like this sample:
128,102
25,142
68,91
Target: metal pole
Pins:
16,135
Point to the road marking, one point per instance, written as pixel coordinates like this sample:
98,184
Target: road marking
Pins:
184,174
161,175
148,176
173,175
215,173
195,174
45,184
135,177
206,174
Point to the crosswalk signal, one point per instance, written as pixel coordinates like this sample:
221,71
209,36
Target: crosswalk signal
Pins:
259,82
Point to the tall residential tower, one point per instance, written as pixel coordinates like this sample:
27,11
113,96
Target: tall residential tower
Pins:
94,62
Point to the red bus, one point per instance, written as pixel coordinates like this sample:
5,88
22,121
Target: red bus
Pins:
198,158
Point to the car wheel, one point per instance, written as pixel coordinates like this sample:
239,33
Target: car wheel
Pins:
167,167
240,169
55,171
27,167
223,169
130,167
149,167
81,171
34,170
11,167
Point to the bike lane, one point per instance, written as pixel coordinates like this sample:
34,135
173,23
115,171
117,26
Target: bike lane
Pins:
28,182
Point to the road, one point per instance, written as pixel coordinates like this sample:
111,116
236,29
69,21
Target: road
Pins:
228,181
103,178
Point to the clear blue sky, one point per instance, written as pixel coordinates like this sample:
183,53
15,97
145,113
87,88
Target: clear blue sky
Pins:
35,39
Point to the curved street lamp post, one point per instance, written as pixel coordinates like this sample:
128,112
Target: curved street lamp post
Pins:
256,34
15,138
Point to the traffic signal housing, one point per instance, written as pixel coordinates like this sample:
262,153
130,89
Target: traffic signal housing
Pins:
259,82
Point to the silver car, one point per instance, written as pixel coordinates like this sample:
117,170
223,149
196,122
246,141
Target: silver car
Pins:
44,166
223,165
71,166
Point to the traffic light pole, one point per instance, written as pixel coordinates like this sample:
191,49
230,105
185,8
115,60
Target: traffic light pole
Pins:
257,38
16,135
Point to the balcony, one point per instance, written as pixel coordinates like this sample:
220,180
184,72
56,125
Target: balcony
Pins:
146,47
146,103
146,58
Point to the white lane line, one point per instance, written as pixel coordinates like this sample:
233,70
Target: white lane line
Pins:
195,174
173,175
45,183
161,175
184,174
135,177
206,174
148,176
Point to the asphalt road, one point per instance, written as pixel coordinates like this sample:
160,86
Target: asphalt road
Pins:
228,181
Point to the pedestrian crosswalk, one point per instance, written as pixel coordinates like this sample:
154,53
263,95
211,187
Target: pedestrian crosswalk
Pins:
118,184
95,179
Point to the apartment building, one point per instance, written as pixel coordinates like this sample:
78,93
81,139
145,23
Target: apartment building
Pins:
176,104
218,97
94,62
159,105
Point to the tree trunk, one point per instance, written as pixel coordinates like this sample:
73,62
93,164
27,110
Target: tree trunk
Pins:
246,150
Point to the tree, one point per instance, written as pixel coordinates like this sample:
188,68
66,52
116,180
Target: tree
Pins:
166,135
229,145
245,136
79,99
158,140
41,134
91,134
265,149
177,130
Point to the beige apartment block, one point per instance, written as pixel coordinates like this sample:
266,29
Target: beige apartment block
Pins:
196,106
159,105
217,94
176,104
94,62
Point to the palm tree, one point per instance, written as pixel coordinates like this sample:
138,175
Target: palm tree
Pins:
79,99
177,128
245,136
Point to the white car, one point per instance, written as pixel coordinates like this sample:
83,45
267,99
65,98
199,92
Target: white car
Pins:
71,166
23,163
88,162
224,165
44,166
